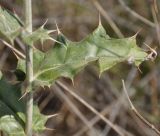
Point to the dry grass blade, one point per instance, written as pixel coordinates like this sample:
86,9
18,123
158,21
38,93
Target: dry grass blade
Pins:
153,11
137,113
17,52
94,120
90,107
74,109
136,15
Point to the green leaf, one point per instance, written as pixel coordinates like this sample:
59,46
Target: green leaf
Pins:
40,34
10,105
10,126
39,120
68,58
10,26
12,111
9,100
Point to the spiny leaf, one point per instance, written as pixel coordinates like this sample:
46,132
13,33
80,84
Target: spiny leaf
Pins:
10,105
9,100
68,58
12,111
40,34
10,26
39,120
10,126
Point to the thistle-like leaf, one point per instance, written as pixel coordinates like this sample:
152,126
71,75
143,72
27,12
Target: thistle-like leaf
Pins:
10,25
11,105
68,58
10,126
12,111
39,120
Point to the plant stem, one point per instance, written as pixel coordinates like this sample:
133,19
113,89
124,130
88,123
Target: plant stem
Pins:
29,69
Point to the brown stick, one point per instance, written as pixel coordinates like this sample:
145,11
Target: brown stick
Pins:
137,113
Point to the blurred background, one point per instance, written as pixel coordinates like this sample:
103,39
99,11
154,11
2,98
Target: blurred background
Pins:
76,19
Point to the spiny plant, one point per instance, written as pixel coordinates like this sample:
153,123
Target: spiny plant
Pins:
64,59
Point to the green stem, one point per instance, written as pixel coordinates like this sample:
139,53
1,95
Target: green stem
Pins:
29,69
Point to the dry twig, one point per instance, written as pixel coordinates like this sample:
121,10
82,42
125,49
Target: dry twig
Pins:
74,109
136,15
153,11
113,126
17,52
137,113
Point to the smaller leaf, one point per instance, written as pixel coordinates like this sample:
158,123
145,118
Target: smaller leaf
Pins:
10,126
10,105
13,93
10,26
39,120
12,111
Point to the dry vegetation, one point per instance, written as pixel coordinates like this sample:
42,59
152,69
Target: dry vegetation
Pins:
76,19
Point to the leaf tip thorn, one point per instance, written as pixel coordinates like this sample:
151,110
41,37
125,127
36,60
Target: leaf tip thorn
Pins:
44,23
72,80
153,54
50,129
100,22
59,32
139,69
50,116
100,74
